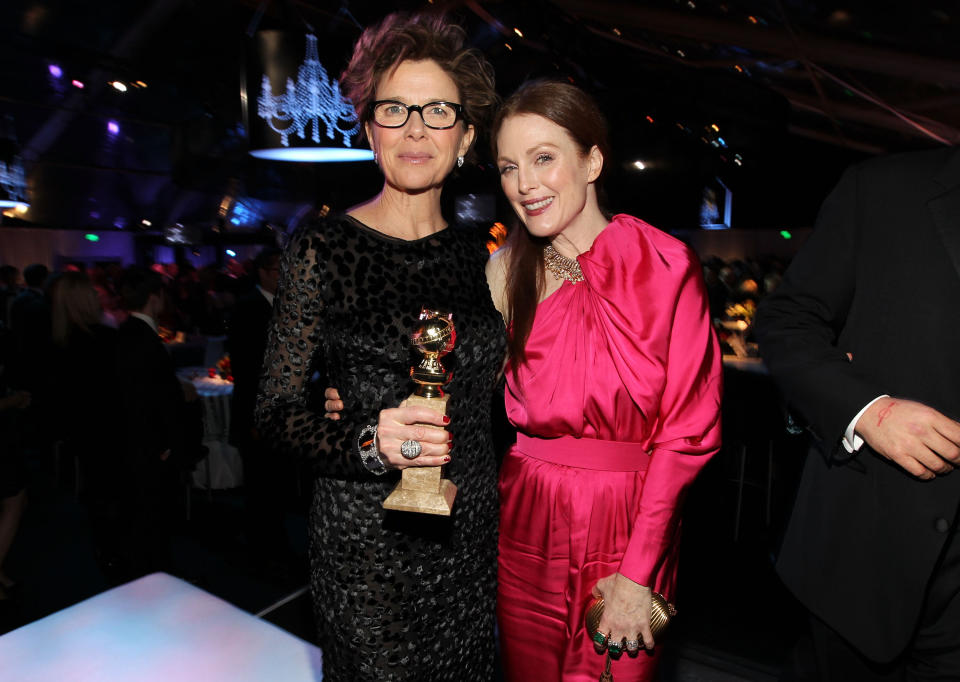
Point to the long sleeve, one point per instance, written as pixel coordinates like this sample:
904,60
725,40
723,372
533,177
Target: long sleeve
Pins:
294,350
688,432
798,326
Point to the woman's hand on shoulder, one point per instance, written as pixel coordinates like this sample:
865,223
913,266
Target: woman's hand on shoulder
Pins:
627,609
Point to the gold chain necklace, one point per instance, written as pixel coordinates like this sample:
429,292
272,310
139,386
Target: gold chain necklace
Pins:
560,266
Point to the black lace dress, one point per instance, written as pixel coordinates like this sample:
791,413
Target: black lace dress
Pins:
398,596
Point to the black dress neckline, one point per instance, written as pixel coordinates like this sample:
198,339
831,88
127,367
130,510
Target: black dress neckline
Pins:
390,238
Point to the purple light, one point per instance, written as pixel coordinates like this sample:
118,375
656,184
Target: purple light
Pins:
113,127
55,71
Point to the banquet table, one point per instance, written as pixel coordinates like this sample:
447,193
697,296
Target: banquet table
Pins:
157,628
222,467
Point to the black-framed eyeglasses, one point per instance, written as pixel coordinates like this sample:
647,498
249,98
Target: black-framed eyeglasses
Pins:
389,113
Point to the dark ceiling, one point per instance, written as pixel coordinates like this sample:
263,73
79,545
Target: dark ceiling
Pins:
774,98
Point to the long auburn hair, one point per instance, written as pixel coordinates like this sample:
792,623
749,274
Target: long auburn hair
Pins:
576,112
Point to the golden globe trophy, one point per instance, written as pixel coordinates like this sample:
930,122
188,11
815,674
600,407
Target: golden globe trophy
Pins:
423,489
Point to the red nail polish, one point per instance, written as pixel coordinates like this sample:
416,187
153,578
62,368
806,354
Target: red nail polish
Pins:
446,419
449,436
446,459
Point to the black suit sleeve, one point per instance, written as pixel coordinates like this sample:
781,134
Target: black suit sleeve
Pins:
152,398
799,326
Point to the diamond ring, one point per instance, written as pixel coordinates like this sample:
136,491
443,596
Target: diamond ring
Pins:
411,449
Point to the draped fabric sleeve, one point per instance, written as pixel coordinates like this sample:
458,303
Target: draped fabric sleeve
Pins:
284,416
688,430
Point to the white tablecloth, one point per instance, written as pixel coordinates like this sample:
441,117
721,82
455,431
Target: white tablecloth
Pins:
222,467
157,628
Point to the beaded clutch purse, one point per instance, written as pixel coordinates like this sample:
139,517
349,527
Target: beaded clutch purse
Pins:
659,618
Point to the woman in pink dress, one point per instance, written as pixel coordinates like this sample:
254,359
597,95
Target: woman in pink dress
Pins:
613,383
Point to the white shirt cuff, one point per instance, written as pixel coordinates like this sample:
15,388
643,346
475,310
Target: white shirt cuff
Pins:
851,441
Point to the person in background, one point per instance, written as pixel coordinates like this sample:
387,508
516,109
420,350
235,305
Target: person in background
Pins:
27,368
13,491
86,407
861,336
217,301
156,442
112,315
263,467
613,383
398,596
9,281
30,341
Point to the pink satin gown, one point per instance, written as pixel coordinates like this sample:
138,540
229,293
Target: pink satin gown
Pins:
617,408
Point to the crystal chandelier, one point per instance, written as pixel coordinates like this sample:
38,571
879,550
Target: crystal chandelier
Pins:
312,101
13,184
13,179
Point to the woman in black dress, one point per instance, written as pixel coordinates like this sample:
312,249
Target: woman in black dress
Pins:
397,596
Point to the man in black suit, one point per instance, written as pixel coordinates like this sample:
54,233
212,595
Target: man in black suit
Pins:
263,468
863,338
247,341
154,419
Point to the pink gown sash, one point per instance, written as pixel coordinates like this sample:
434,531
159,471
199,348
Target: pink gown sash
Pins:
585,453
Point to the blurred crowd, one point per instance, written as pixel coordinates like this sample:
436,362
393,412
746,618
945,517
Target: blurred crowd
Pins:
734,290
87,377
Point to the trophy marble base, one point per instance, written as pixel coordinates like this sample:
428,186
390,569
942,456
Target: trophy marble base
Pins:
438,501
423,489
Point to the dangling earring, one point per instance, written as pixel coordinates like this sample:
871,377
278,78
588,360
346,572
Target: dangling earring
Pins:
459,162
